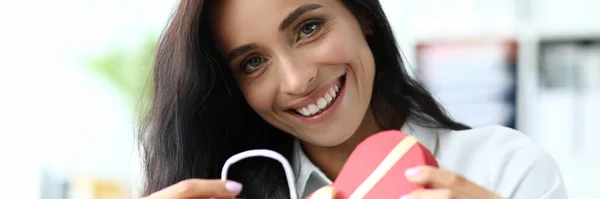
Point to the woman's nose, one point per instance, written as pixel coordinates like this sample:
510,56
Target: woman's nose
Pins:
297,78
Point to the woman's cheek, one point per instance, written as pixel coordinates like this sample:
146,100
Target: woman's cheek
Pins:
334,48
260,95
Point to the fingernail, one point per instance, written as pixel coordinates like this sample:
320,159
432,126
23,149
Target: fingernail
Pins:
405,197
233,187
412,172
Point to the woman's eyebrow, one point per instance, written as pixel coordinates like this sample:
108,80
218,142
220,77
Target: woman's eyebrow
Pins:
297,13
240,51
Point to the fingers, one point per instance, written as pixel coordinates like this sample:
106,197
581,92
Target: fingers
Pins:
326,192
432,176
427,175
198,188
435,193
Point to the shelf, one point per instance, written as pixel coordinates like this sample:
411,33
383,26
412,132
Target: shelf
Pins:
569,35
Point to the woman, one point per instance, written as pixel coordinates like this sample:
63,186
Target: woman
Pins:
309,79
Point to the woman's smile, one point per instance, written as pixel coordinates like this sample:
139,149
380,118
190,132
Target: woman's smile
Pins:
321,103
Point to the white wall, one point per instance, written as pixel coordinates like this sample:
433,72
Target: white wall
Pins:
55,116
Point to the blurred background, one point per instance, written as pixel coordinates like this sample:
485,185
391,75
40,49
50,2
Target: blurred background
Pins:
71,72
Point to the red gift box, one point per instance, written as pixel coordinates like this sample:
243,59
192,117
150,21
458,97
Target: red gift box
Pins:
375,169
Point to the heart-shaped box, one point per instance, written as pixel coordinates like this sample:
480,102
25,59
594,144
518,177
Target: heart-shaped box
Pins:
375,169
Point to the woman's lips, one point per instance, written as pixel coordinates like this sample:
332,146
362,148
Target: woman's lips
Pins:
324,105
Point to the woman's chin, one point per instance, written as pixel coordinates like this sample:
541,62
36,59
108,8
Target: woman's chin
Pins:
328,139
331,134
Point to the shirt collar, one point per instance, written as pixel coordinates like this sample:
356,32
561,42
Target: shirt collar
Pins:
310,177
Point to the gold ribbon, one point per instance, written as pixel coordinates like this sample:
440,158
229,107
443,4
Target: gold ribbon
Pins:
390,160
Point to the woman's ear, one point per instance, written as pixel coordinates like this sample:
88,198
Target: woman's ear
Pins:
366,24
368,31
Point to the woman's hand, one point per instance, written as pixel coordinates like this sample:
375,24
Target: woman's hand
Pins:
199,189
445,185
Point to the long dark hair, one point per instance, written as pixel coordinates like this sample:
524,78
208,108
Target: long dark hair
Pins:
198,117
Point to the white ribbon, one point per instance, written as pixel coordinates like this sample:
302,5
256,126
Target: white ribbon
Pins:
289,173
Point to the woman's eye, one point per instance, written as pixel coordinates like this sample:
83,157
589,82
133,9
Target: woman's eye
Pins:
308,29
252,64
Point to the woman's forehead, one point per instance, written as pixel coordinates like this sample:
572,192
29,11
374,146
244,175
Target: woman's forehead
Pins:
235,9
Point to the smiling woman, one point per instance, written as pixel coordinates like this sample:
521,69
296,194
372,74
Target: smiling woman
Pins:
309,79
309,74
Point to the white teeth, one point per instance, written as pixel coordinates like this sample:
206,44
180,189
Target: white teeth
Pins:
303,111
328,97
321,103
313,108
306,111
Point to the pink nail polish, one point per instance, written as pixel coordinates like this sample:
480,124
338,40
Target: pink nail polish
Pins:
412,172
233,187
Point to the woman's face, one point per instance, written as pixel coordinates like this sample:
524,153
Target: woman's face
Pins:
302,65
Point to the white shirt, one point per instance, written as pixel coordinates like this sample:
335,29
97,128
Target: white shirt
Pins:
500,159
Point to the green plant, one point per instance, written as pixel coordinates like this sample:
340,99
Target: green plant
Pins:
129,71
